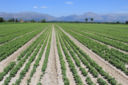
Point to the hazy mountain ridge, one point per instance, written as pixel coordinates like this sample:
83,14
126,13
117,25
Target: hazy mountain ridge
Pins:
27,16
122,17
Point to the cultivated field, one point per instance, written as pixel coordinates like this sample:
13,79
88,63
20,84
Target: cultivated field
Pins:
63,54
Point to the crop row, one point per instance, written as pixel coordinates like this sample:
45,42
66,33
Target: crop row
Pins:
45,62
32,59
24,55
111,42
11,31
112,37
21,60
9,48
113,56
88,62
116,32
72,67
36,64
77,62
62,63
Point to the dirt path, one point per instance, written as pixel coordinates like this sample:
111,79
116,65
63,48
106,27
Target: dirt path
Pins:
13,56
50,76
60,80
117,74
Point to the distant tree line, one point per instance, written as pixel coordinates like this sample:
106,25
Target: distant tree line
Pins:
87,20
20,20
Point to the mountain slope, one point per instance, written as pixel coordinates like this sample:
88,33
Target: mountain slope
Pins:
38,16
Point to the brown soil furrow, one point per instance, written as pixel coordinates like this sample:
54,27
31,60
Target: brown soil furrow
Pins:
117,74
50,76
13,56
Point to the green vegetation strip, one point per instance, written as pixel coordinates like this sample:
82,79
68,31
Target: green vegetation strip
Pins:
32,58
20,63
62,63
44,66
71,65
91,65
36,64
116,58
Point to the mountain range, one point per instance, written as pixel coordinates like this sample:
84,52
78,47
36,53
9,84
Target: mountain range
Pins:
122,17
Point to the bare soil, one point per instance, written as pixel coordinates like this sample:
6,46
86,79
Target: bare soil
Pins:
50,76
59,74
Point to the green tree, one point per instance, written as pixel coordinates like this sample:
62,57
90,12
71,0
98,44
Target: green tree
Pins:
91,19
16,20
32,20
43,20
126,22
1,19
11,20
117,22
86,19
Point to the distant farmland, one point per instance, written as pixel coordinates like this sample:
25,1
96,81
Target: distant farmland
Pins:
63,54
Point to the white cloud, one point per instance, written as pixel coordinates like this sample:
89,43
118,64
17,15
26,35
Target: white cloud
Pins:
35,7
69,2
44,7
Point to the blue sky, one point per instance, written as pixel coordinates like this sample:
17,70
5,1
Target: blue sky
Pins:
64,7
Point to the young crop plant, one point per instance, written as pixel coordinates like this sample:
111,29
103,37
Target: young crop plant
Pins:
45,62
86,60
71,65
89,81
32,59
116,58
36,64
20,64
91,69
101,81
62,63
46,56
12,46
6,70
